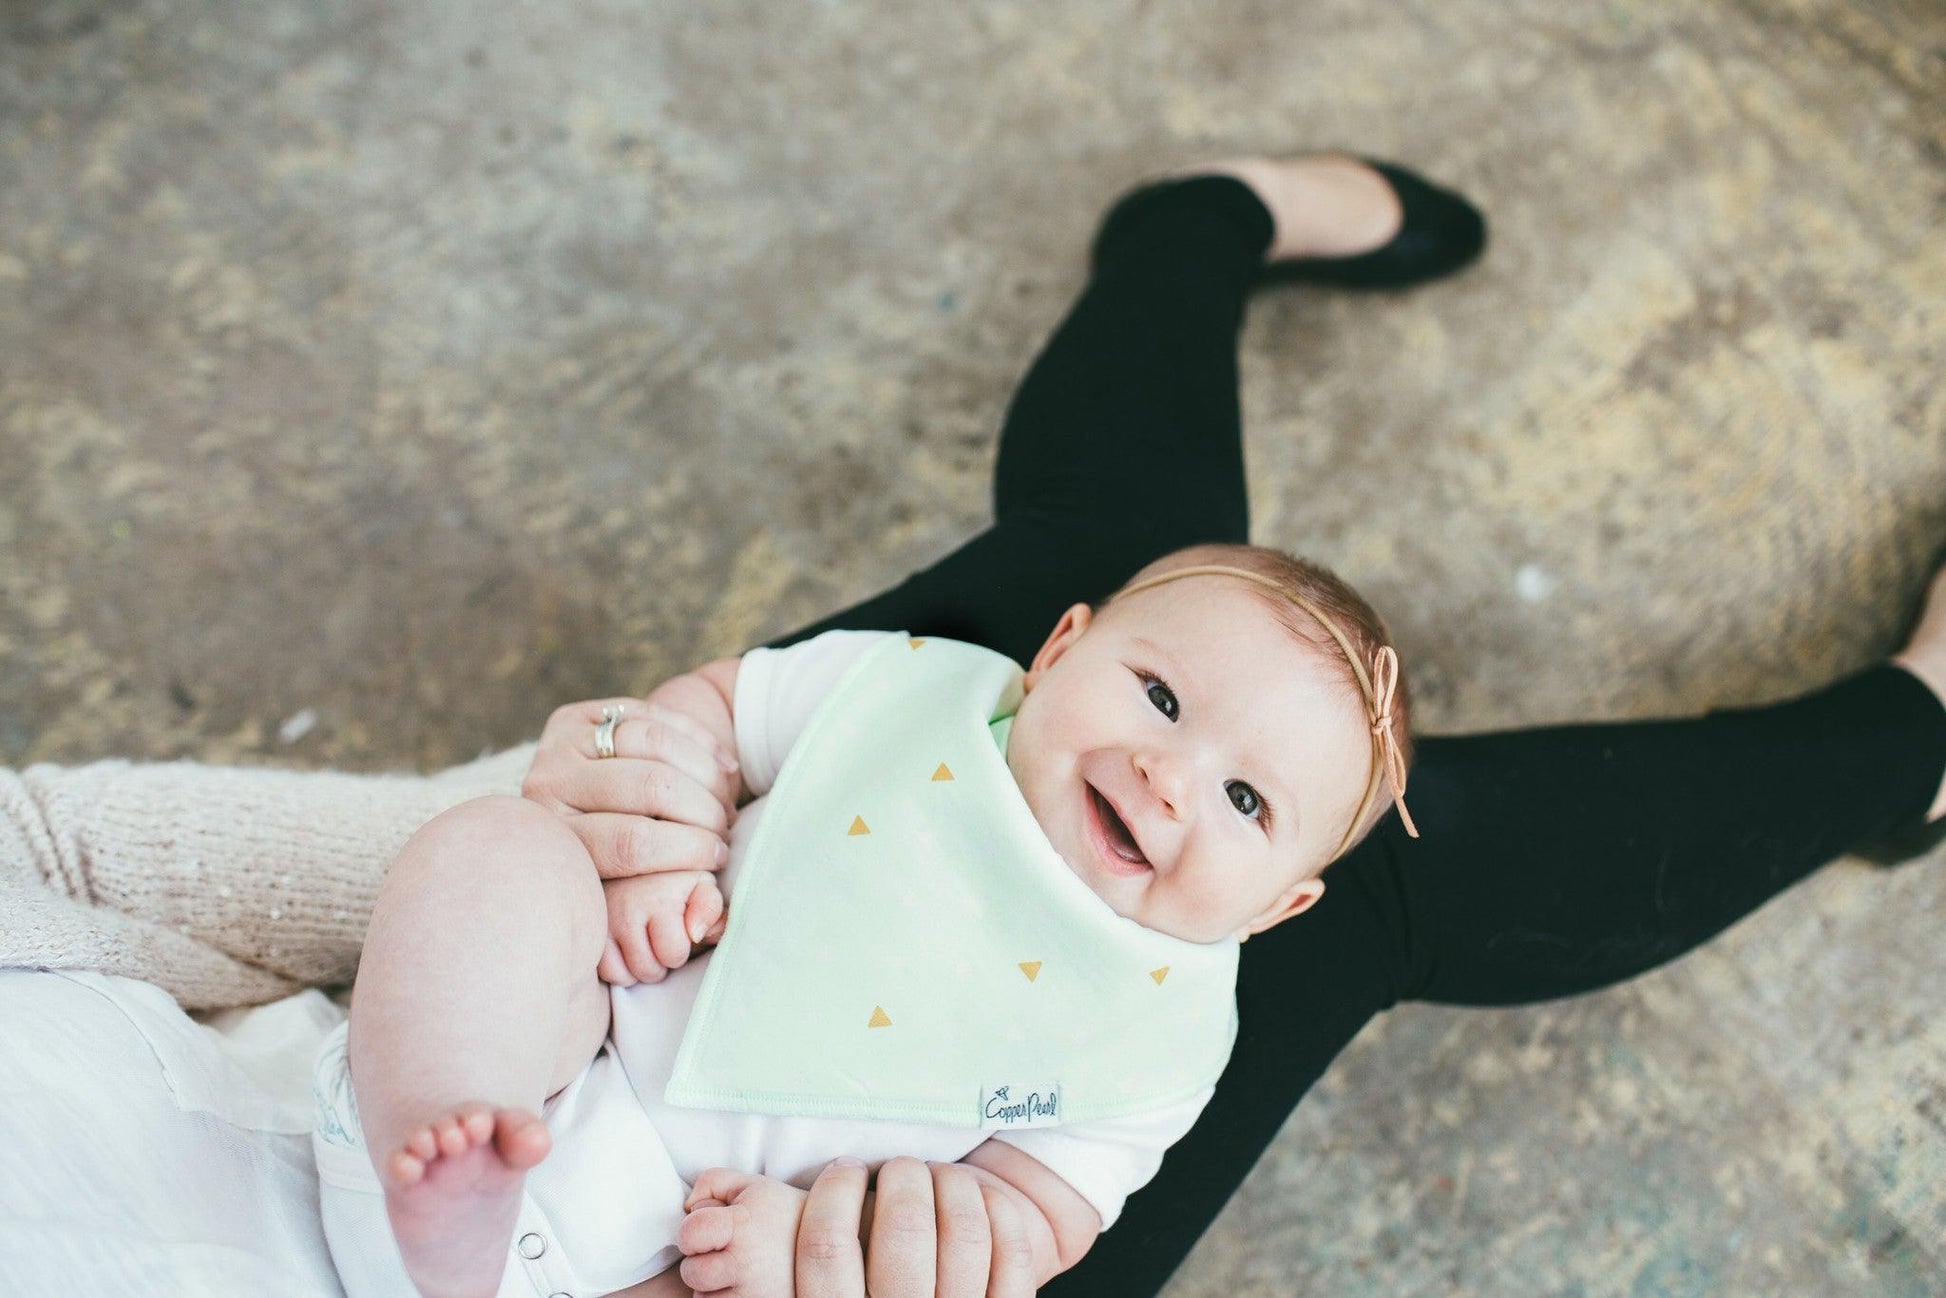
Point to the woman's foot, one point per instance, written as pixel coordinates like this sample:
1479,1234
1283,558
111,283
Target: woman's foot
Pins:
452,1191
1925,657
1324,205
1335,219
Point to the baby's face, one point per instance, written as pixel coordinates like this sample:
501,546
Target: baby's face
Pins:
1192,760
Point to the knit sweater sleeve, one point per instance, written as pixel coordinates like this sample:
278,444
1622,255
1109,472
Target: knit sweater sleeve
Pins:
225,885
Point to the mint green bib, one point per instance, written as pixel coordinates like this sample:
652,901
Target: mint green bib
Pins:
904,943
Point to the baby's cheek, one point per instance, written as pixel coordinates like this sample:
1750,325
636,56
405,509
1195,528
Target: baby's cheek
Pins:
1227,897
1200,911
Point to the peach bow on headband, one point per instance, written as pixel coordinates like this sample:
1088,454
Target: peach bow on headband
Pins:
1385,746
1379,685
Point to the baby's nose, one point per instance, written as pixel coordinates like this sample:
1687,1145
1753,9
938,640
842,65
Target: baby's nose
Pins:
1168,780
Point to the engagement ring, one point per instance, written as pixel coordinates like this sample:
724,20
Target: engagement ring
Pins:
605,730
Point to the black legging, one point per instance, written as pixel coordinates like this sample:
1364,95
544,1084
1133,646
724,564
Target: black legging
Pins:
1553,861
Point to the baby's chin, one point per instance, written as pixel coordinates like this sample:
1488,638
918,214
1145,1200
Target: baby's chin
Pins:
1123,894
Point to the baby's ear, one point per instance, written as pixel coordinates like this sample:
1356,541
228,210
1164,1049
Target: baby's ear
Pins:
1069,629
1294,901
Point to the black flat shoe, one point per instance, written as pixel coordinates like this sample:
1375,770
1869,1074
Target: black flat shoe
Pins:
1914,841
1440,233
1904,845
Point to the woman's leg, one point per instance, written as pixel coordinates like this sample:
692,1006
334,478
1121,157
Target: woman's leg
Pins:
1124,441
225,885
1553,861
1574,857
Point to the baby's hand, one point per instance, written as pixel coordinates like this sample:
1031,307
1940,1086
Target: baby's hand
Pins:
653,922
740,1234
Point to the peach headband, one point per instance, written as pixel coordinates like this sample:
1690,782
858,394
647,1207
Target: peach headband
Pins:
1378,687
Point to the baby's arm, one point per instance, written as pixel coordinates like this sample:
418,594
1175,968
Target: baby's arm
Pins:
706,696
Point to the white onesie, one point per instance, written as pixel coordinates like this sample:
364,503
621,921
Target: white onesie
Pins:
601,1212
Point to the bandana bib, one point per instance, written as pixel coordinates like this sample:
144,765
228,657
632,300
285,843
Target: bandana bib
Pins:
905,944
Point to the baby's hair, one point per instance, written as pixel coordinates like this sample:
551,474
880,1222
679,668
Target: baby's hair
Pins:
1313,602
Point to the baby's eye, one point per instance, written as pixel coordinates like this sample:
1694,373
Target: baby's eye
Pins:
1243,797
1164,699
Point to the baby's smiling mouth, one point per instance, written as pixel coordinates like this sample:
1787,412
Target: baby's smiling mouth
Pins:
1122,855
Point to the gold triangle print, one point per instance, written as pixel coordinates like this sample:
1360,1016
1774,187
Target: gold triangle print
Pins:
880,1019
1159,974
1032,968
858,826
916,641
943,773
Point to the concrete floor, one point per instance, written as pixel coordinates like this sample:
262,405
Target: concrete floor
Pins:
374,376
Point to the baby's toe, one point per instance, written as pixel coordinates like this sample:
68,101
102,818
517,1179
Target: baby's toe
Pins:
706,1230
521,1138
450,1136
404,1168
422,1145
476,1121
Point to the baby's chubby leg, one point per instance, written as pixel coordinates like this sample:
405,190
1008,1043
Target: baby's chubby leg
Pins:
476,999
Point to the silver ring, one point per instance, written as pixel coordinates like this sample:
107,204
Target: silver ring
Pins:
605,730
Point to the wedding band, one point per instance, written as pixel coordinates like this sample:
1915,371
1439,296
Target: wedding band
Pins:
605,731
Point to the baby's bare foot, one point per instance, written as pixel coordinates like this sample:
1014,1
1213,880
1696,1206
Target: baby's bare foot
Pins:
1925,657
1325,205
741,1234
452,1190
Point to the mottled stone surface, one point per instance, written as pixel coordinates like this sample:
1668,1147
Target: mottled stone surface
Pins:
375,376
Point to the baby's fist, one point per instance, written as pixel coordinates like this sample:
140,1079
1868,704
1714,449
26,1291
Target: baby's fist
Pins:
655,920
740,1234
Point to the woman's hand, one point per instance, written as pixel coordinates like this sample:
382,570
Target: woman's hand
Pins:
664,801
934,1229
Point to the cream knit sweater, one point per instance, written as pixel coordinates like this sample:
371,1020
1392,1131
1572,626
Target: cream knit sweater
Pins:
223,885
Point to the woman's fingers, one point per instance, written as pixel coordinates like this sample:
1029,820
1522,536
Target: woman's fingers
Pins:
624,846
1012,1272
646,731
830,1263
680,741
632,785
965,1242
936,1230
901,1261
676,720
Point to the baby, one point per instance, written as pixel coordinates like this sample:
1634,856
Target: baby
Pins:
1175,771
